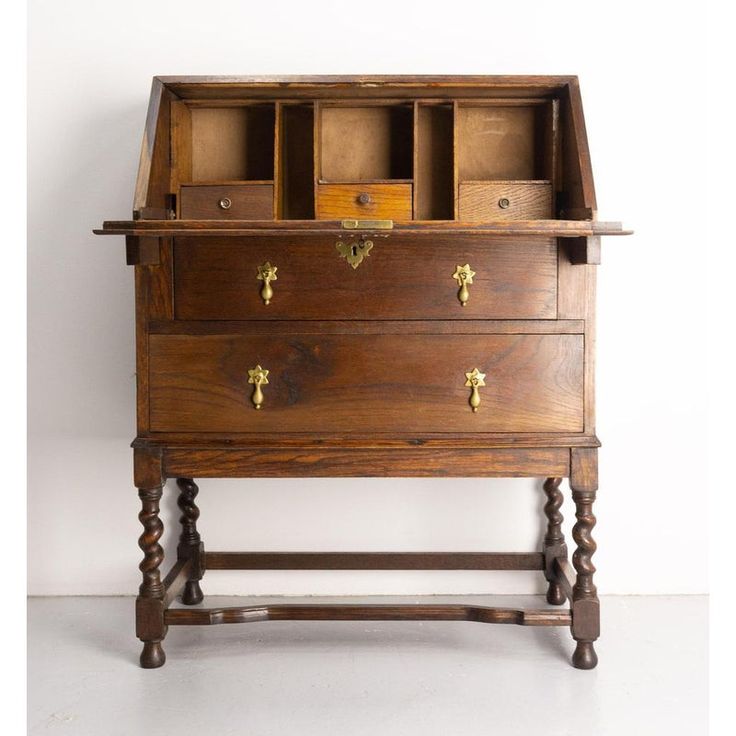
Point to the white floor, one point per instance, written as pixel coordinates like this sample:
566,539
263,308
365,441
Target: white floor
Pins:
369,678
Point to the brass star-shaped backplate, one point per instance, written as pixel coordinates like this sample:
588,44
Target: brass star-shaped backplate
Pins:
267,272
258,375
475,378
463,274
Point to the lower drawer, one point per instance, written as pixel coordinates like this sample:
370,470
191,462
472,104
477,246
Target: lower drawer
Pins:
363,383
226,202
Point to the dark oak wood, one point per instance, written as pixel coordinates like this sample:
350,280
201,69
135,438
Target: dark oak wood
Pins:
150,605
585,603
338,612
356,462
150,602
371,367
362,384
374,561
377,441
190,544
153,554
151,185
226,201
142,250
565,576
373,327
216,279
585,250
176,580
427,229
554,540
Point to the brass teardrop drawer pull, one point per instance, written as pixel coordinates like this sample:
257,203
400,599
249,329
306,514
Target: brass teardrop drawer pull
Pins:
475,379
267,274
258,377
464,277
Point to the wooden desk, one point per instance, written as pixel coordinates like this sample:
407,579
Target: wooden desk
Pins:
348,276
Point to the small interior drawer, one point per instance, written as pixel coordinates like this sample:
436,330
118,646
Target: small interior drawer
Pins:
363,200
226,201
482,201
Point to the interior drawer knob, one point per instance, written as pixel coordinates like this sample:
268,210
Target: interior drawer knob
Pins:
225,203
364,198
464,276
267,274
504,203
475,379
258,377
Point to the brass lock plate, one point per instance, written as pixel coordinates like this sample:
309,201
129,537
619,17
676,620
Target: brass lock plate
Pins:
367,224
354,251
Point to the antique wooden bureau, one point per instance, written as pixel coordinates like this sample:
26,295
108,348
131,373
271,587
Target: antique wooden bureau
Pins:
365,276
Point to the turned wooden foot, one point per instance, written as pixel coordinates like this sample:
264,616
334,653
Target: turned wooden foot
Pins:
190,544
192,593
153,655
555,594
554,540
584,657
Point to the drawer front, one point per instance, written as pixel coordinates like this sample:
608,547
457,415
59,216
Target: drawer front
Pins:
226,202
371,201
363,383
217,279
480,202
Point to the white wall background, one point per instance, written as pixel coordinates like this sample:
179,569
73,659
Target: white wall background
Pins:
89,78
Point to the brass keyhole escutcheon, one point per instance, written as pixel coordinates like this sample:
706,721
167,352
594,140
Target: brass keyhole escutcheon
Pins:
258,377
267,274
354,251
464,277
474,380
225,203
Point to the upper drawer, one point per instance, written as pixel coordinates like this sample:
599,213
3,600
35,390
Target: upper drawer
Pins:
217,278
358,383
364,201
226,202
483,201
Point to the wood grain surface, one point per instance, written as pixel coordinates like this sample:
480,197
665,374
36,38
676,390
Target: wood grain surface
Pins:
247,201
385,201
215,279
366,367
365,383
370,612
481,201
285,461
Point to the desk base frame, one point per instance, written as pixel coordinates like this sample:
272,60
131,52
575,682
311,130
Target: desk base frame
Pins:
155,462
